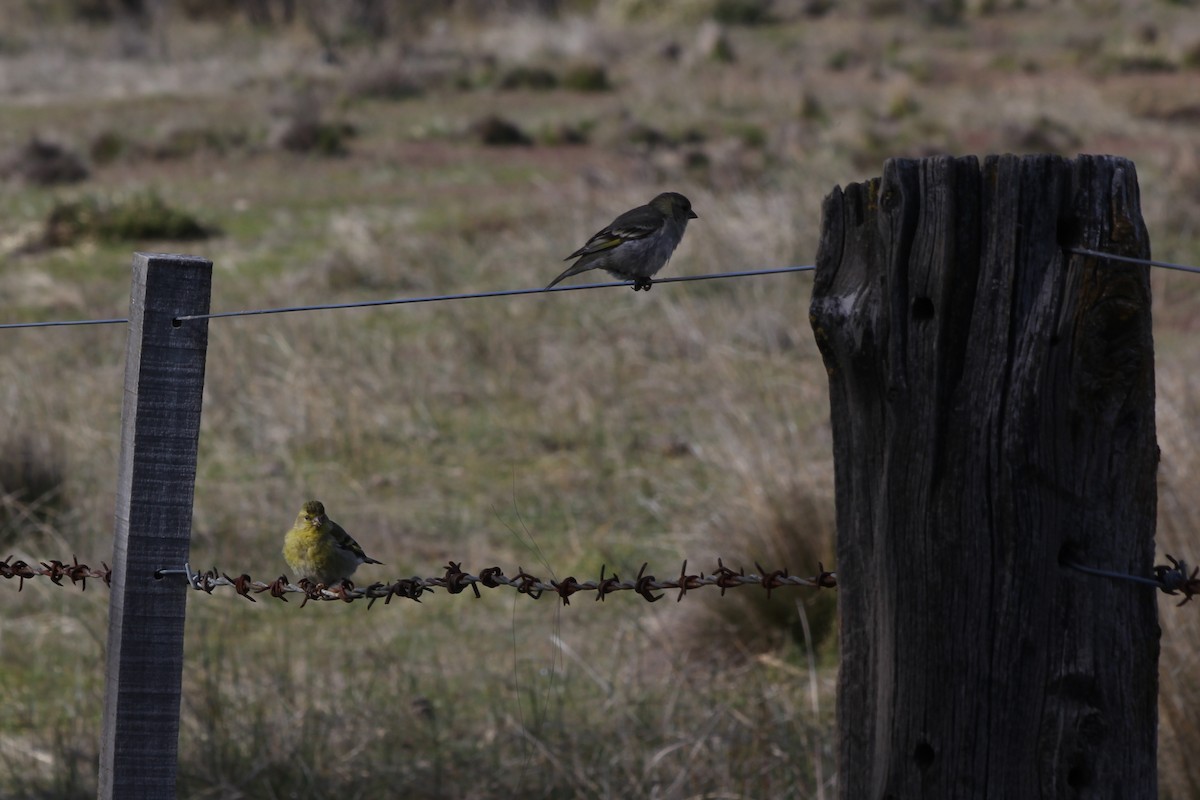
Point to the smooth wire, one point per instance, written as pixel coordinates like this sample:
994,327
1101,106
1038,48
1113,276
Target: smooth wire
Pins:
411,300
1118,575
516,292
1131,260
478,295
62,323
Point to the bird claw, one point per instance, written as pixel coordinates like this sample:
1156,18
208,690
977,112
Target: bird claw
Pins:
642,283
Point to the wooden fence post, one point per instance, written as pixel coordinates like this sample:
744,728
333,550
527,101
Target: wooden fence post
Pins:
992,400
160,428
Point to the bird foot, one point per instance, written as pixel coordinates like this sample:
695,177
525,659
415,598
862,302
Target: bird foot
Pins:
642,284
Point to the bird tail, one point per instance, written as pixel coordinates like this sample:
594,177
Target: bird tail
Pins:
579,266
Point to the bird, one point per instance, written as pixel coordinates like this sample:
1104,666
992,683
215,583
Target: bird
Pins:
637,244
320,550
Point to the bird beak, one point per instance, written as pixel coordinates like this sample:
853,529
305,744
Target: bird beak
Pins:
693,215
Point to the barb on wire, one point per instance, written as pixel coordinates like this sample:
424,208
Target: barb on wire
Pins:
1173,578
1082,251
55,570
455,581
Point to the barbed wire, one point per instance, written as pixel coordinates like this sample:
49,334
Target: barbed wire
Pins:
55,570
1175,578
399,301
455,581
541,290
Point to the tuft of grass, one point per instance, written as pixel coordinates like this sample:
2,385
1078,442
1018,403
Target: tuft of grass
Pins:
536,78
299,125
189,141
1137,64
391,81
780,516
43,162
844,58
565,133
32,480
586,77
1190,59
496,131
314,136
137,217
902,106
108,146
743,12
713,44
1044,135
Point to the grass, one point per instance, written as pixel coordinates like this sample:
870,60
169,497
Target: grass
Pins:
558,434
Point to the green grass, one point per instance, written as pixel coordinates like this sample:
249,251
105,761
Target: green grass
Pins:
555,433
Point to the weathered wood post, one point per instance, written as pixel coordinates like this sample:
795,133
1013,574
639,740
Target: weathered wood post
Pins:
992,401
160,428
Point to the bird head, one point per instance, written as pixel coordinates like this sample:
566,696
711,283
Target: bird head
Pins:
675,205
313,512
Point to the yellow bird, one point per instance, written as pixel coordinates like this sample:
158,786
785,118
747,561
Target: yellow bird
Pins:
319,549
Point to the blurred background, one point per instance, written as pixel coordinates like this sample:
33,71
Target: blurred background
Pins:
322,151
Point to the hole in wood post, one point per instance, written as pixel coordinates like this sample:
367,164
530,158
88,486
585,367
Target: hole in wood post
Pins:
1069,231
924,755
1068,554
922,308
1079,777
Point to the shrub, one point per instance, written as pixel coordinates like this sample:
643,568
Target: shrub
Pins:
586,78
742,12
144,215
31,484
42,162
497,131
528,77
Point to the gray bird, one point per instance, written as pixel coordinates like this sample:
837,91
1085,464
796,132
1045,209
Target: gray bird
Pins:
637,244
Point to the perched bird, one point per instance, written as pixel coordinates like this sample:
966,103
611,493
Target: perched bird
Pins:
319,549
636,244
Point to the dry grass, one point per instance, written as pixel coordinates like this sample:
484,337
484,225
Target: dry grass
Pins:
557,433
1179,521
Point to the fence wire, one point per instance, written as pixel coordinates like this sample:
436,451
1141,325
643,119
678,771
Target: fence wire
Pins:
400,301
1173,579
56,571
1176,578
518,292
455,580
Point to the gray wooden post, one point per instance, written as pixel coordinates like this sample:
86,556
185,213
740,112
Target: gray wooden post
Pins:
992,400
160,428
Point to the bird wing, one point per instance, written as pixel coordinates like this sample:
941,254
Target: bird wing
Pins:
346,542
637,223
